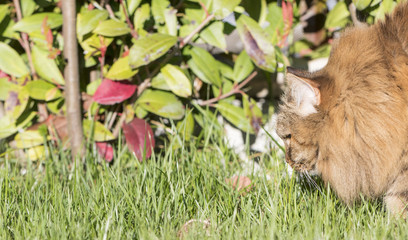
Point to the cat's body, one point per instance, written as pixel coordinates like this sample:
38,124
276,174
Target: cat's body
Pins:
349,121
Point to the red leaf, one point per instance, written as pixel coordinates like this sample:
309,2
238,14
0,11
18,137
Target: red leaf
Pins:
139,136
126,53
44,26
287,14
105,150
103,46
111,92
49,38
90,6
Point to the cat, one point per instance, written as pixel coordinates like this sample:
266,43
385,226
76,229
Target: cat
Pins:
349,121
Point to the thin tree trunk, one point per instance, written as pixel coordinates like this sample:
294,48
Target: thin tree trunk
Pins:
71,73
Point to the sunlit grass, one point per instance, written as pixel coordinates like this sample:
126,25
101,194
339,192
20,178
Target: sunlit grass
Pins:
154,199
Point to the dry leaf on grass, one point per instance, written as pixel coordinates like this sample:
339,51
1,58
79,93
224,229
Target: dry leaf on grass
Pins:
239,183
190,224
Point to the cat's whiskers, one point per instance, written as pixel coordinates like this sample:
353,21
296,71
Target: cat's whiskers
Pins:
310,180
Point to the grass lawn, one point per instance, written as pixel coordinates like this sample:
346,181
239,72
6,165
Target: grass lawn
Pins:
154,199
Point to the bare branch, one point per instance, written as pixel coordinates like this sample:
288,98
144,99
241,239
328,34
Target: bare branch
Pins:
24,36
236,89
195,31
353,13
132,28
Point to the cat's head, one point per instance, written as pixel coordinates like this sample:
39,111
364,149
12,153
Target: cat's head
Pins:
297,123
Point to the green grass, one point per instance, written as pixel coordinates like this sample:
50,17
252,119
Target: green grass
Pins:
153,199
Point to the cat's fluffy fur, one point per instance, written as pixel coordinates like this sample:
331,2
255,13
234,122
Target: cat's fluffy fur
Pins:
349,121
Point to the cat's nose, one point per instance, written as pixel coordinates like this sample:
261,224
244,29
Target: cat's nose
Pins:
288,157
291,70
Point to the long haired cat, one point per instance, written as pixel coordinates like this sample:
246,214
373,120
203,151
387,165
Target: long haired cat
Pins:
349,121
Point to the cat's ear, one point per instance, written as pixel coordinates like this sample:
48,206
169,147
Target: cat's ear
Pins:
304,91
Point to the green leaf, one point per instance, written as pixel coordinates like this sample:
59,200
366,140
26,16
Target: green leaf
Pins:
256,43
223,8
252,112
121,70
158,8
225,70
4,11
160,82
28,139
56,106
161,103
361,4
38,38
205,66
214,35
8,125
34,22
112,28
141,15
140,112
92,86
170,17
52,94
10,62
7,29
338,16
251,109
27,7
40,90
386,7
274,20
235,115
132,5
5,87
93,43
97,131
243,67
89,20
186,127
226,87
373,3
176,80
35,153
150,48
46,67
16,102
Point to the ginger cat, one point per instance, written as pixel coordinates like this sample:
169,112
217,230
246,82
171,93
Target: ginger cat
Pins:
349,121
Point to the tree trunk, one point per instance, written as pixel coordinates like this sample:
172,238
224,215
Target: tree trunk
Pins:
71,74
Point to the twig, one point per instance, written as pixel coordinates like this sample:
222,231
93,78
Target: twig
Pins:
195,31
146,83
119,124
110,11
112,119
353,13
132,29
24,36
122,118
159,124
236,89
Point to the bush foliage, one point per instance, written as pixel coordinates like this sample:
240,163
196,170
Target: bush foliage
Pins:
142,62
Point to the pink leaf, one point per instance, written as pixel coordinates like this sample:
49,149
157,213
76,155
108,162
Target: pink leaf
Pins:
4,75
105,150
111,92
139,136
